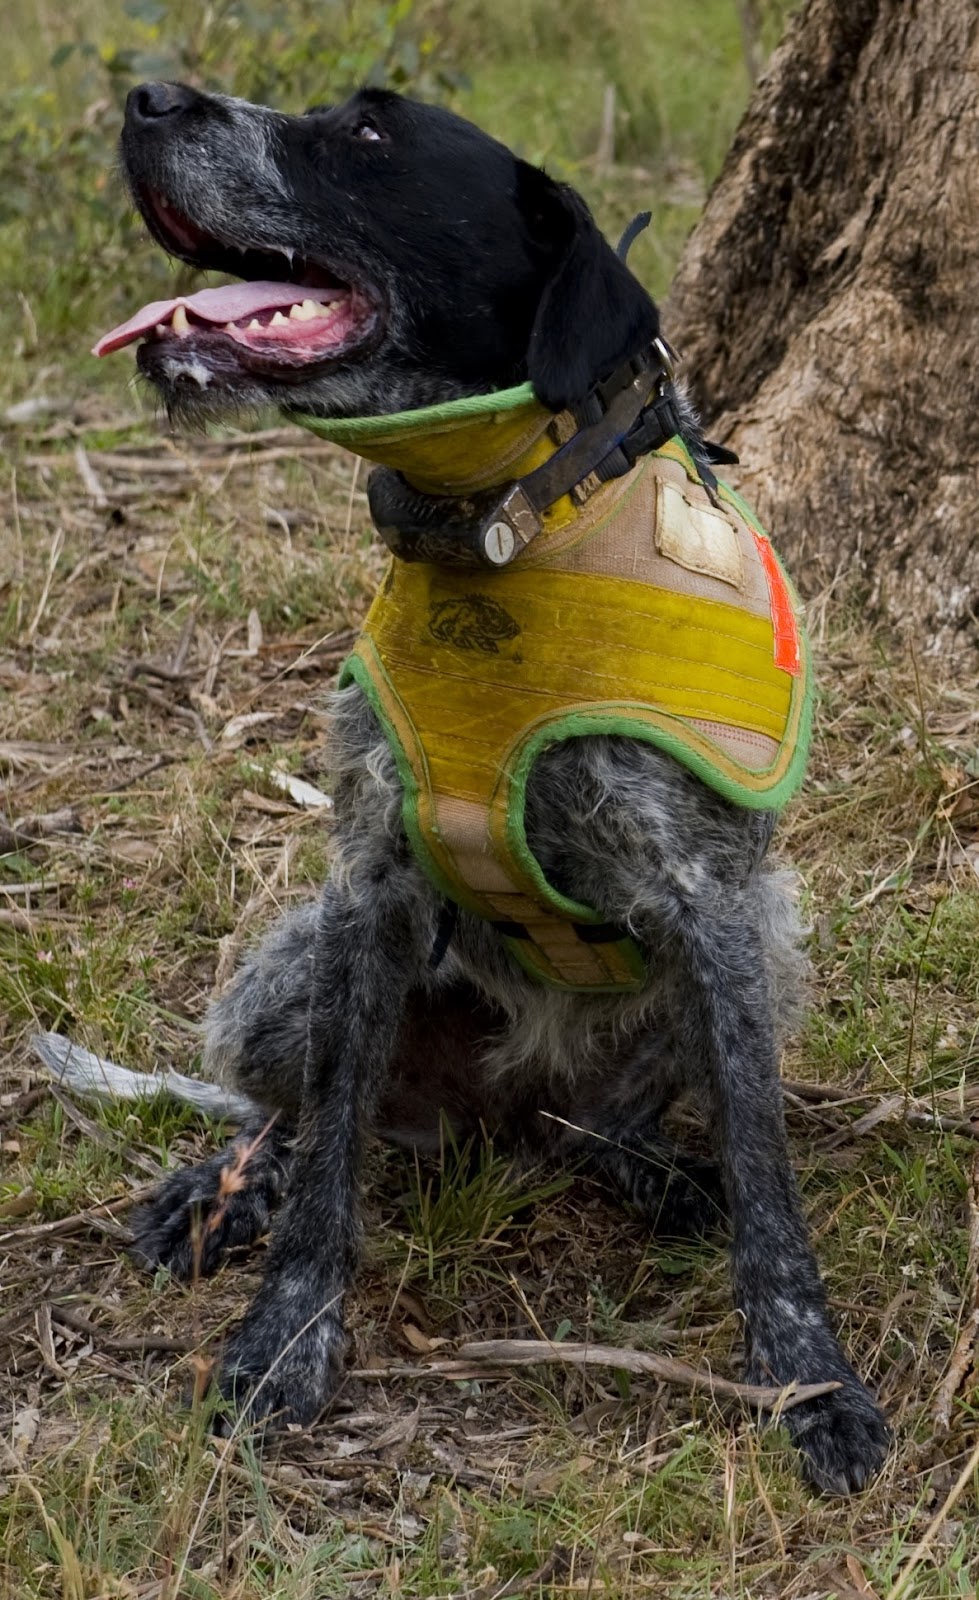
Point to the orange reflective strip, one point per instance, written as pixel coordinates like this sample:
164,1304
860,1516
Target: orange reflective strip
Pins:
784,625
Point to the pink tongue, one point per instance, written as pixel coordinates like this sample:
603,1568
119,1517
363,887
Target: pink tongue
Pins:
232,303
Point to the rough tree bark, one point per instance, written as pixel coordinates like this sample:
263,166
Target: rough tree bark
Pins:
827,307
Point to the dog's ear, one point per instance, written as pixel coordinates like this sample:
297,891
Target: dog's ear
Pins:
592,313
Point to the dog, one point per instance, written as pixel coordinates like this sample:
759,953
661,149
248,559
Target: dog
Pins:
394,259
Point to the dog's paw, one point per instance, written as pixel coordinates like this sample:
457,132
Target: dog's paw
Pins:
693,1204
680,1196
843,1438
273,1376
193,1220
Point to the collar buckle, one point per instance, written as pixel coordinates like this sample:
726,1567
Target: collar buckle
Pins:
627,415
508,529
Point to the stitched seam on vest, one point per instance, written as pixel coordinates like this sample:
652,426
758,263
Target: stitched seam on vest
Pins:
761,741
638,613
530,689
508,803
657,617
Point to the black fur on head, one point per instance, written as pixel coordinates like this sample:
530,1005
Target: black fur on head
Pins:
460,268
592,313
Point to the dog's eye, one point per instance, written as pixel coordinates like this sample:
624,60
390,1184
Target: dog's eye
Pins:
365,131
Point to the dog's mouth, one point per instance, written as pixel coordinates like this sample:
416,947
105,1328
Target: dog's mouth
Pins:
289,315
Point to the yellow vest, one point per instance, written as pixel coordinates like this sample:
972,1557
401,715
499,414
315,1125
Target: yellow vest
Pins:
650,610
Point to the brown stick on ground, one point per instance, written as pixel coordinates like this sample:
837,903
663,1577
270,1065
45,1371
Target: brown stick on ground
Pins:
28,830
472,1360
140,1342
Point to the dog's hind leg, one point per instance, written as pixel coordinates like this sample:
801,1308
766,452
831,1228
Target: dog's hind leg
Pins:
255,1032
679,1195
255,1041
200,1213
620,1135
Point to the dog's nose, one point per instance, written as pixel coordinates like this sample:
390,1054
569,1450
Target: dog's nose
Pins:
149,102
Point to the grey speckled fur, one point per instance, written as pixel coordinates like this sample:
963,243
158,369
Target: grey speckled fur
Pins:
338,1021
621,827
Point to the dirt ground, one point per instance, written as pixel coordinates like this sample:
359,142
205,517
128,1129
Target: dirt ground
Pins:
171,615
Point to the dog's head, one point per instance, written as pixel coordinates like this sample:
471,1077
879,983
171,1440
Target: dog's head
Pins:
392,255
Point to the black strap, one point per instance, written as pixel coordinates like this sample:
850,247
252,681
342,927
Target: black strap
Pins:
626,415
719,455
637,226
448,917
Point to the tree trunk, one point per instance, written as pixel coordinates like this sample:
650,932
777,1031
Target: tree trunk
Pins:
827,307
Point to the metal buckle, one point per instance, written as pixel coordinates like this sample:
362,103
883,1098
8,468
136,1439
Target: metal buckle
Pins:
668,358
508,530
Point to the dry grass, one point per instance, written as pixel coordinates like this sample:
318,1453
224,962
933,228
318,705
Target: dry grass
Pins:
171,614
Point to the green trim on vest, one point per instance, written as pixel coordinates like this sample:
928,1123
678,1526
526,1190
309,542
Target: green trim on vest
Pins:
351,431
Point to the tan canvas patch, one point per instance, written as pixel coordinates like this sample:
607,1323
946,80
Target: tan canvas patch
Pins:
694,537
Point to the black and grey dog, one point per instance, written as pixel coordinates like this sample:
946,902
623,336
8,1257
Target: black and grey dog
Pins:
439,265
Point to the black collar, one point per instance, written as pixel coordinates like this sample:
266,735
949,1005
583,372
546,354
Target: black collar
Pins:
626,416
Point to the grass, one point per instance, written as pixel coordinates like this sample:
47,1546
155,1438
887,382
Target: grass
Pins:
555,1480
238,565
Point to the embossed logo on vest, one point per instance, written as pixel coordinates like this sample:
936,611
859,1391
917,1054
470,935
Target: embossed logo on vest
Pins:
472,623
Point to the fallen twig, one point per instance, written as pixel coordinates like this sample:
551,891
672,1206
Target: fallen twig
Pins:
898,1108
28,830
90,481
99,1217
115,1341
155,669
822,1093
134,777
931,1119
472,1360
30,922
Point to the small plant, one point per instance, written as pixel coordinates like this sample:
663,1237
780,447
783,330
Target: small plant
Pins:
462,1213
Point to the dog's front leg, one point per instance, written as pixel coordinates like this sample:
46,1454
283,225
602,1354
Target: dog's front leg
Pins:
842,1436
370,948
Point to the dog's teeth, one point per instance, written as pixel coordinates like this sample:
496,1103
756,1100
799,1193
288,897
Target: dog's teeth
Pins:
321,310
227,327
254,323
279,321
179,322
161,327
304,313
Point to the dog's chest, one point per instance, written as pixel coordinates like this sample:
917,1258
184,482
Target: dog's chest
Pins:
666,620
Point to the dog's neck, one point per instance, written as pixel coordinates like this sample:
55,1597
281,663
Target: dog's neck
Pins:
454,449
477,479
